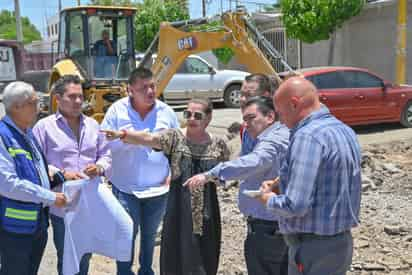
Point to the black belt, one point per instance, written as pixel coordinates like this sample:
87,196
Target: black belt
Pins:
301,237
260,221
254,223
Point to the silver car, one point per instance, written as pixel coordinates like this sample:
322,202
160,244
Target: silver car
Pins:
196,77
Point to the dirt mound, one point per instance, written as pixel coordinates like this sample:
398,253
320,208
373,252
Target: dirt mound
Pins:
383,241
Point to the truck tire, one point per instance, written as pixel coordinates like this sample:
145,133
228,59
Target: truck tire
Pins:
406,116
231,96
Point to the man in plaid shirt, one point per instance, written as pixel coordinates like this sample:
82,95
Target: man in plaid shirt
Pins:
320,183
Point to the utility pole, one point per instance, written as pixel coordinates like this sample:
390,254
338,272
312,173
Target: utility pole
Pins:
221,7
203,8
19,30
78,2
401,42
60,6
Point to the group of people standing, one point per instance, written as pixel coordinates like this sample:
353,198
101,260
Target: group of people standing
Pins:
305,162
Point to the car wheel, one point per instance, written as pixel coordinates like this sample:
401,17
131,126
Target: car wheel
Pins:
231,96
406,117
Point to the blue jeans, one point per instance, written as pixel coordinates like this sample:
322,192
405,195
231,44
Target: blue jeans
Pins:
58,239
146,214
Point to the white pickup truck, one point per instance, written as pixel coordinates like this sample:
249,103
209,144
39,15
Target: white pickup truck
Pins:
8,70
196,77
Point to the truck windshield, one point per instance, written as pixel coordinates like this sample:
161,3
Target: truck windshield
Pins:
108,38
7,65
109,53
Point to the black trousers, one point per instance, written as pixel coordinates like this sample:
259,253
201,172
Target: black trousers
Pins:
21,254
265,249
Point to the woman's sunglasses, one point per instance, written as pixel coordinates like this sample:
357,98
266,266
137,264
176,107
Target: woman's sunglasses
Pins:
196,115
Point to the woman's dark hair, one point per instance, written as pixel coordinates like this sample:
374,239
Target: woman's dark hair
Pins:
207,104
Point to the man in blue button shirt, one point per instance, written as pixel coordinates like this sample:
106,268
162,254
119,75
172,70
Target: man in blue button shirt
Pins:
320,183
105,56
139,173
265,249
105,46
253,85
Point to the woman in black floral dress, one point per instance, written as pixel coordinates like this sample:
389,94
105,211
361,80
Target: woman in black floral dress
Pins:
191,228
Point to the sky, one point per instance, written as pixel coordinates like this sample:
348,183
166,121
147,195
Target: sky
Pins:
38,10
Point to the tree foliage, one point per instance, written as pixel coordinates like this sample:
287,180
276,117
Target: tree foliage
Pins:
314,20
8,28
149,16
224,55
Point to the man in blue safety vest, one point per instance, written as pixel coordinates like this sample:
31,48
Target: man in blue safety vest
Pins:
25,193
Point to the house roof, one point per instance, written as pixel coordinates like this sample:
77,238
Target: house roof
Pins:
379,1
372,4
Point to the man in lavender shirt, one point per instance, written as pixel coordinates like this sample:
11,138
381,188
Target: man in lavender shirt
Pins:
72,144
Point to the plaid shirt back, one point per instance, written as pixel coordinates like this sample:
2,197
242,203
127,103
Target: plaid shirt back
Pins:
320,177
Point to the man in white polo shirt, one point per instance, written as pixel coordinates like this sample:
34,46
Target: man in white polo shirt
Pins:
139,174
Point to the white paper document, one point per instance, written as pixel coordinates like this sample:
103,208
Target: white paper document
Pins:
95,222
151,192
252,193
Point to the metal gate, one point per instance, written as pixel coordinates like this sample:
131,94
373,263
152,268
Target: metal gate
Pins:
288,48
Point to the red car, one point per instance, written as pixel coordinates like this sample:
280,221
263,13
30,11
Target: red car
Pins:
358,97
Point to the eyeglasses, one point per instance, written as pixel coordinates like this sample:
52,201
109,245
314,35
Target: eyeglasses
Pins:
196,115
34,102
249,117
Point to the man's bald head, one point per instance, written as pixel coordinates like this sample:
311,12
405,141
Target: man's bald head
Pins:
295,99
298,87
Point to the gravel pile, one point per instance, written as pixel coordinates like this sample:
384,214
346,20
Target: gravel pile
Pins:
383,241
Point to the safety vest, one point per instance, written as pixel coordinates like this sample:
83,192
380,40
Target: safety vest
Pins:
18,216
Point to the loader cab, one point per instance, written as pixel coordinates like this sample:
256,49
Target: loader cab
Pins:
99,40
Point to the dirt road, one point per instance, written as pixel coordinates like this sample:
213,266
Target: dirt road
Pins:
385,208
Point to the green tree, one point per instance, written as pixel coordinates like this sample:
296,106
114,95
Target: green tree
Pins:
224,55
8,28
314,20
149,16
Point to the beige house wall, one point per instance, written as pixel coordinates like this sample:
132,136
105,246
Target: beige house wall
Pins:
367,40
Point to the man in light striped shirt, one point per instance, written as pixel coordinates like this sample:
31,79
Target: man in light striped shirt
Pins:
320,183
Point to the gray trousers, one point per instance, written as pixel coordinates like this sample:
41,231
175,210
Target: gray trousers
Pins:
311,254
266,252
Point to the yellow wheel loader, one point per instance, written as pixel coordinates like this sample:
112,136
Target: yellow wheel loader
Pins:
104,76
81,52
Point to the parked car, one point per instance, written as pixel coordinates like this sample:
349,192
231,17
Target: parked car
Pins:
359,97
196,77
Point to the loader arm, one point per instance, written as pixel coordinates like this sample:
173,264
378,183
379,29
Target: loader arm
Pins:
173,45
